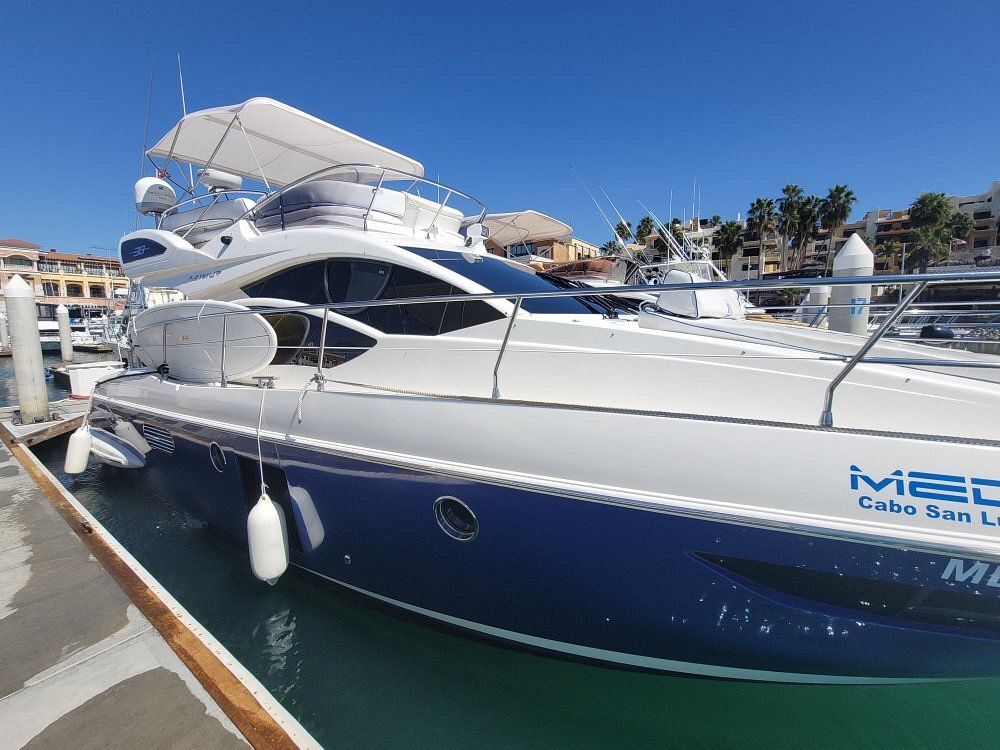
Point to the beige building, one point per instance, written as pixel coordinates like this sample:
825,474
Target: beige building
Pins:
63,278
886,224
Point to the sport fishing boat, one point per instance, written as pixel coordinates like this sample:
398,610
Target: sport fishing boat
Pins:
356,387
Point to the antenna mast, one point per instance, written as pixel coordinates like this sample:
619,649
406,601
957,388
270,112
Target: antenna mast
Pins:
184,111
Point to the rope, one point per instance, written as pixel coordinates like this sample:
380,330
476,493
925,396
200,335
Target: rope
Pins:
317,378
260,453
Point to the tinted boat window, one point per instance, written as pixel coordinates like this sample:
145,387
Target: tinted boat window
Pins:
500,276
356,280
299,336
305,283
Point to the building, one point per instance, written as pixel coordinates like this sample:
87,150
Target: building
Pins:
880,225
86,281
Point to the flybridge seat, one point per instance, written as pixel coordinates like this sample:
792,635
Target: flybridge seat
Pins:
698,303
338,202
198,225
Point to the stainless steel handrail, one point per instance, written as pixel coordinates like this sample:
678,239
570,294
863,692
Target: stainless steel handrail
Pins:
216,197
385,173
826,418
919,281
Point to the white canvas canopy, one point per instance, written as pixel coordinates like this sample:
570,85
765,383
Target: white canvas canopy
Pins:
265,138
524,226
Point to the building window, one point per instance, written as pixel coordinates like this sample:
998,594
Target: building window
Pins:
50,289
18,261
74,290
96,290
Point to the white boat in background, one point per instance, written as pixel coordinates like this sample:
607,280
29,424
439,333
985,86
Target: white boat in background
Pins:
793,506
517,232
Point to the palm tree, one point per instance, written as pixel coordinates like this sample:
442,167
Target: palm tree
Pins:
930,209
761,220
810,211
836,210
961,225
930,215
788,208
728,241
624,230
644,229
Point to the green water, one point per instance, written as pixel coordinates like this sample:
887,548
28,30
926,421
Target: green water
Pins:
358,677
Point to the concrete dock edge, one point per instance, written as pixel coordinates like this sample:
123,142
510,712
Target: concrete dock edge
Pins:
241,697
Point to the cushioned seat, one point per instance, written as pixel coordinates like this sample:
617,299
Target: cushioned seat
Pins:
198,225
329,201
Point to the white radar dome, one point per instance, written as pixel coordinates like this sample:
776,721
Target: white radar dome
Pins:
153,196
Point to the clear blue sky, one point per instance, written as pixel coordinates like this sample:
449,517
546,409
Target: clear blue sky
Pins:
891,98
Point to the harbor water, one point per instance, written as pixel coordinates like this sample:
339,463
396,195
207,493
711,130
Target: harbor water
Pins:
361,677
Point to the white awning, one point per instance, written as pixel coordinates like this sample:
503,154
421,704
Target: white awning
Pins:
524,226
283,142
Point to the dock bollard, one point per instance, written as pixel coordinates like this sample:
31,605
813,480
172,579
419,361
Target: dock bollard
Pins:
854,259
26,345
65,333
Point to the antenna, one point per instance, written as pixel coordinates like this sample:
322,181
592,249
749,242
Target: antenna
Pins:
613,230
145,133
184,111
145,127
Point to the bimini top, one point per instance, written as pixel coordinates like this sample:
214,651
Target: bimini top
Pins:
263,138
524,226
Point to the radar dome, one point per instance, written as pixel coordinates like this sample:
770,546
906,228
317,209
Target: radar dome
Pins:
153,196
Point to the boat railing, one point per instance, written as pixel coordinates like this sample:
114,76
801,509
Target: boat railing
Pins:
918,283
376,177
210,200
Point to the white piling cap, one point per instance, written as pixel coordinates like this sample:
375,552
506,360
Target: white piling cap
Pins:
62,308
18,287
854,254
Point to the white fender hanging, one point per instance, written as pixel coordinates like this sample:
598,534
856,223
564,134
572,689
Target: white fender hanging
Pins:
127,432
267,537
78,451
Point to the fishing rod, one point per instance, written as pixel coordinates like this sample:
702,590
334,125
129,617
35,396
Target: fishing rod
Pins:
614,230
667,235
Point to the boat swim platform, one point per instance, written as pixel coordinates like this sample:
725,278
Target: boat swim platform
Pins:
94,653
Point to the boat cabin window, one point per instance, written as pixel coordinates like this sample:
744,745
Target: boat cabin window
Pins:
305,283
499,275
299,336
356,280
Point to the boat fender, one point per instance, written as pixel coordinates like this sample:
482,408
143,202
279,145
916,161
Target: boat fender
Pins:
127,432
114,451
267,538
78,451
307,520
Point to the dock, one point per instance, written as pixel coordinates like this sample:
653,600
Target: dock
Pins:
93,652
66,415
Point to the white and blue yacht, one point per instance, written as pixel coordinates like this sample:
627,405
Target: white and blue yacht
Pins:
665,486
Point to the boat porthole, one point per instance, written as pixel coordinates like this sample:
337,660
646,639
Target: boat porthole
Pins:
455,518
218,457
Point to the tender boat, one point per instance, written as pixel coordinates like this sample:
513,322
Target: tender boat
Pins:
356,385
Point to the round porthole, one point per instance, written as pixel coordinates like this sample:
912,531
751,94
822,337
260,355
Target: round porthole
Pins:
456,519
218,457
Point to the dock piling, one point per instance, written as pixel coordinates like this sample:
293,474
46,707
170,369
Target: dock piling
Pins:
29,373
65,333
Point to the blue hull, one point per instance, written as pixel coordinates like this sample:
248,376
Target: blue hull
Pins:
603,580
